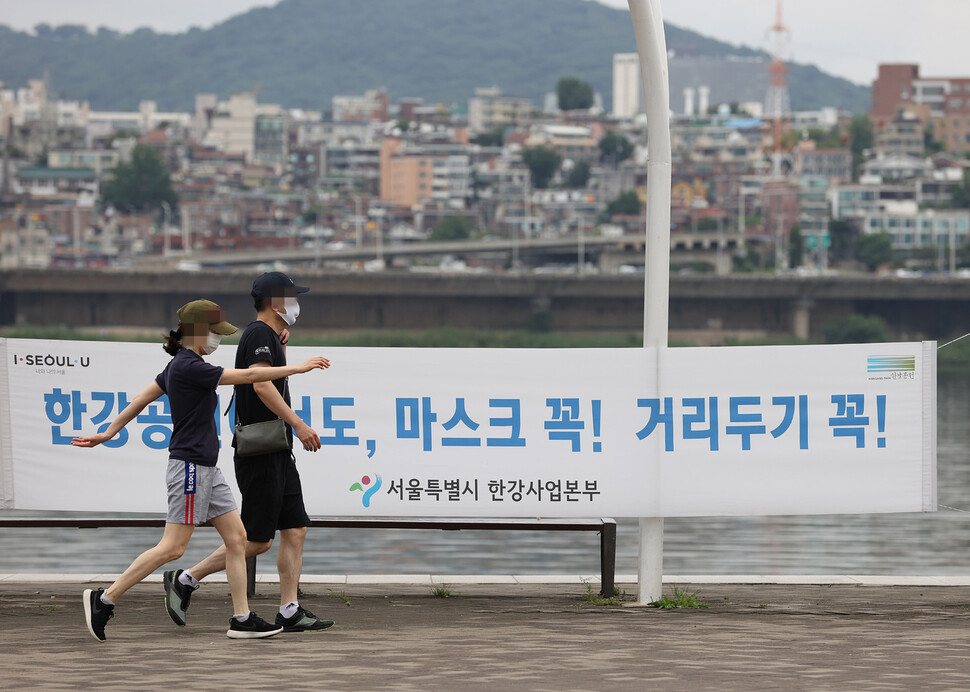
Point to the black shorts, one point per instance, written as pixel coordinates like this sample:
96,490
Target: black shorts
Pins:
272,497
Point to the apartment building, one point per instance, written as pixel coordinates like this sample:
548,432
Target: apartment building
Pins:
948,100
489,110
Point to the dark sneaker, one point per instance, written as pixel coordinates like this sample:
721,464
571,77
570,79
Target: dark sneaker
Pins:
96,613
177,596
302,621
253,627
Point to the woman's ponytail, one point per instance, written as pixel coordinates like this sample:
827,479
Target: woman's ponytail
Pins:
173,342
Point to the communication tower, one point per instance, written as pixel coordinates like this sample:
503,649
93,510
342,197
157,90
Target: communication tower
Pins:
777,104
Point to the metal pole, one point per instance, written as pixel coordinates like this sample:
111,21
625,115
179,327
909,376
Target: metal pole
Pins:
953,249
166,242
358,234
652,49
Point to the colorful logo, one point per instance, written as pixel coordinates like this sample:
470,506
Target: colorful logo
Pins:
892,363
368,487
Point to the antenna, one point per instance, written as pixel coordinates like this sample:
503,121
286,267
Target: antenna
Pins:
777,103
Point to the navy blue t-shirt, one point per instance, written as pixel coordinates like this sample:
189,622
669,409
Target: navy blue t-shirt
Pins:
191,384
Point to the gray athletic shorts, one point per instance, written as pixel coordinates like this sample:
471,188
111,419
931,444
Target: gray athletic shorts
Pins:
196,493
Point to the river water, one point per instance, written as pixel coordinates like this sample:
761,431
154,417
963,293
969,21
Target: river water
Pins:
936,543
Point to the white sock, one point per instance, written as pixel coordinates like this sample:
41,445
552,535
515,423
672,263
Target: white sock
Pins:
106,600
240,618
289,610
187,579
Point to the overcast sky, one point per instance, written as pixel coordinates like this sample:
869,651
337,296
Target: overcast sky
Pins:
848,38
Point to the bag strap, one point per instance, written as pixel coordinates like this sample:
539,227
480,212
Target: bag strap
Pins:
286,388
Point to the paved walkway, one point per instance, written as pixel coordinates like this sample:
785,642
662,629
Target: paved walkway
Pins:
496,637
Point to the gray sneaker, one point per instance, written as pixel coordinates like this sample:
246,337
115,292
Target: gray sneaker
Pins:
177,596
302,621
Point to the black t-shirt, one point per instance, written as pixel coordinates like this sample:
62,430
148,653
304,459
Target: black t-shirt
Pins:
259,342
190,384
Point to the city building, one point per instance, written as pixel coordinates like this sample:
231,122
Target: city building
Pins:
627,85
948,100
489,110
372,106
834,164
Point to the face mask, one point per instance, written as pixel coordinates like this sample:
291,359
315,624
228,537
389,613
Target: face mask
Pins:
292,307
212,343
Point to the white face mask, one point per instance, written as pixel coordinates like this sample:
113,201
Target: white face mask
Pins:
292,307
212,343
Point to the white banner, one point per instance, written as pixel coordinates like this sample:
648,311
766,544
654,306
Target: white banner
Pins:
510,432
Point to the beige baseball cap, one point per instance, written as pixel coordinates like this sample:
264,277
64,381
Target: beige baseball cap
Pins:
206,312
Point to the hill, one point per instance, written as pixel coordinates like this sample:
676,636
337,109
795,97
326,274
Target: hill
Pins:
303,52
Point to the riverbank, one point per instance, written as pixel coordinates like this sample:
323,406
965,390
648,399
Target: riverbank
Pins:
393,636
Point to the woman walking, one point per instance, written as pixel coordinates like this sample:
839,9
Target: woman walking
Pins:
197,490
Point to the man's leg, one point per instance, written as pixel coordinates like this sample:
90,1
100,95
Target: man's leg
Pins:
289,562
216,561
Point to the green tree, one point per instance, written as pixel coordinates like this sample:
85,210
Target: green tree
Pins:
627,202
855,329
873,249
141,184
861,137
931,145
574,94
844,234
543,164
452,228
493,138
796,246
826,139
579,175
614,148
960,198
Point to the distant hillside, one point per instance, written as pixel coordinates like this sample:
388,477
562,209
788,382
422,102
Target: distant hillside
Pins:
303,52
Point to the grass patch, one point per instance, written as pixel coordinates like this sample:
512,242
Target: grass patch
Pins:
680,599
595,598
340,596
440,591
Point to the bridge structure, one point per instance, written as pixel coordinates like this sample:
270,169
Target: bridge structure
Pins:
703,309
607,253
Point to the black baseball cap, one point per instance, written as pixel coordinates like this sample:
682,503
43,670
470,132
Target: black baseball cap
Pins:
275,284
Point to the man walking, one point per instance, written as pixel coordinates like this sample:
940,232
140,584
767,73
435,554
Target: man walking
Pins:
272,497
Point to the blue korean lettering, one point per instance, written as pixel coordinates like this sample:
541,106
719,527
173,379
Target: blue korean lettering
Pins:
698,417
59,406
564,423
339,426
460,417
848,420
158,415
748,419
513,421
658,415
414,419
101,419
789,403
